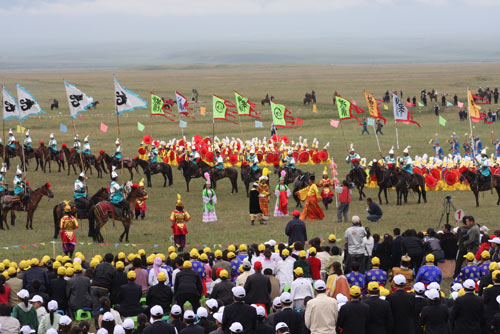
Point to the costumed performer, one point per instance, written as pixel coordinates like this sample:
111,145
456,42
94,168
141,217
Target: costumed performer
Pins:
209,201
179,217
67,226
310,195
282,193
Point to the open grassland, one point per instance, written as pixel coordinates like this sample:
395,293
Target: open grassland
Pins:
287,83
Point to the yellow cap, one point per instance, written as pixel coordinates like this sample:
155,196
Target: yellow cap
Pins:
384,292
99,258
35,262
495,274
206,250
223,273
94,263
173,256
77,267
312,250
485,255
298,271
218,254
171,249
429,258
461,292
493,266
261,247
22,264
187,265
240,269
13,265
162,277
68,265
285,252
150,259
161,256
203,257
59,258
131,257
232,248
66,258
243,248
6,275
45,258
469,256
332,237
69,272
119,265
11,271
373,287
194,253
141,252
2,267
355,291
121,256
231,255
302,253
131,275
375,261
80,256
6,262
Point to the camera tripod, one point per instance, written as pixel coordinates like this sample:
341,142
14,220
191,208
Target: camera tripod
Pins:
447,206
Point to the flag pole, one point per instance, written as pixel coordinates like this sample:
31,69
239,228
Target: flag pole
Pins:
3,140
22,149
376,136
119,137
473,148
343,135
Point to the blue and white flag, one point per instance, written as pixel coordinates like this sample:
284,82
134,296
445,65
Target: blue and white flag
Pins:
400,110
126,100
28,105
78,101
9,107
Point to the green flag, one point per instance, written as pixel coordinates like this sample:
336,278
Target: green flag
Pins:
278,111
442,121
156,105
140,126
420,104
242,104
343,106
219,108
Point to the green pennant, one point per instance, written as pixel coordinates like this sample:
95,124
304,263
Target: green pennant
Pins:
420,104
242,104
219,108
156,105
343,107
278,111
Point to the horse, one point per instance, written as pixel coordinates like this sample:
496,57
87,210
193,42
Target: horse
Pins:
307,98
104,209
94,104
267,100
358,177
47,157
54,105
478,184
416,183
384,180
35,197
291,174
229,172
161,167
72,158
300,182
248,177
126,162
58,211
192,171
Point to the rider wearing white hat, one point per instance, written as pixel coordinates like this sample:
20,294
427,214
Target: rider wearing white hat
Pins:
52,146
76,143
28,142
390,160
353,157
11,143
116,196
290,161
19,186
485,164
117,156
80,190
3,184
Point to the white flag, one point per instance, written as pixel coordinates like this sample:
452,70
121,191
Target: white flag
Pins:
28,105
9,107
181,103
126,100
400,110
78,101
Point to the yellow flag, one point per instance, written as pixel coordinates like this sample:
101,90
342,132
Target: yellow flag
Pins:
202,111
473,108
20,129
372,104
386,107
314,108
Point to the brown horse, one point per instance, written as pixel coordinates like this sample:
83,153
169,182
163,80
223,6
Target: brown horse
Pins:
126,162
105,209
72,159
35,197
229,172
192,171
47,157
58,211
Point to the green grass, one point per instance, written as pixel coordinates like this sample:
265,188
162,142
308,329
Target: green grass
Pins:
287,83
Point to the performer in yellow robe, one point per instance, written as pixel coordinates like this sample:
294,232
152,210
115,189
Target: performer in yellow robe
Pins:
67,226
310,195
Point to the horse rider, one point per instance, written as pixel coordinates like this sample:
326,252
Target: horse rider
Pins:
219,163
390,160
77,145
289,162
497,147
53,147
86,149
20,187
117,156
11,143
28,143
116,196
455,145
438,150
3,183
194,156
484,166
153,156
80,190
353,158
253,161
479,144
407,164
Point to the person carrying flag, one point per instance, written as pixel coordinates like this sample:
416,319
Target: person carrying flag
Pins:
117,156
28,143
11,143
353,157
53,147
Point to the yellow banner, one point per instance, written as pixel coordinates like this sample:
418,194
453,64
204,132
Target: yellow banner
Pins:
372,104
473,108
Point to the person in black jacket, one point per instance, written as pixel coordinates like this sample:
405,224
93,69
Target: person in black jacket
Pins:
176,318
239,312
160,294
467,314
293,319
130,297
414,247
222,290
58,289
191,328
254,206
396,247
374,211
296,229
158,326
420,303
403,307
353,316
188,286
261,327
490,298
380,315
33,273
119,280
258,287
102,282
434,317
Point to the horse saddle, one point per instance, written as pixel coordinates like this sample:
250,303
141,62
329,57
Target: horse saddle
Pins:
118,210
8,201
127,162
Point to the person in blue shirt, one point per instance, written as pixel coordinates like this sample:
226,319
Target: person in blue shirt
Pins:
11,143
197,265
454,145
28,143
496,144
116,195
253,162
479,144
365,126
80,190
86,146
153,156
235,263
484,267
355,277
289,161
429,273
3,182
438,151
469,271
374,211
376,274
407,164
219,161
117,156
53,147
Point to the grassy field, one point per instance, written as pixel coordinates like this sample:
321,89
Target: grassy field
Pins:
287,83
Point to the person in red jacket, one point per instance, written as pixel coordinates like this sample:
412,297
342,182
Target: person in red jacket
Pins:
315,264
344,200
179,217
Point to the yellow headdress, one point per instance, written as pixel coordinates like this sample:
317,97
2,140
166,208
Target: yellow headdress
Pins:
266,172
179,201
67,207
141,183
325,171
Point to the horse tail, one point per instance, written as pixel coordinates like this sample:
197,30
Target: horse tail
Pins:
170,176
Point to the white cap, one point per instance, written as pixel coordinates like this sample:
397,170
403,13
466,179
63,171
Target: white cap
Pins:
18,171
498,299
236,327
118,330
27,132
239,292
157,310
202,312
469,284
286,298
391,151
77,259
26,330
319,285
406,149
23,294
51,136
356,220
454,295
484,228
36,299
277,302
495,240
82,174
86,139
341,298
419,287
434,285
281,325
432,294
101,331
117,141
54,331
52,305
128,324
65,320
4,168
351,148
483,151
10,131
218,317
175,310
399,280
261,312
107,316
456,287
189,315
212,303
271,243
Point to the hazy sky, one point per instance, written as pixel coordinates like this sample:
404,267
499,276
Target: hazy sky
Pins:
165,31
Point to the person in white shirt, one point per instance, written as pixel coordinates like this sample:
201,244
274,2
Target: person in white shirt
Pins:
284,269
301,288
321,312
368,243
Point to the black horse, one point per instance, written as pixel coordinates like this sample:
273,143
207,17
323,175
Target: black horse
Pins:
248,177
192,171
161,167
229,172
291,174
357,176
384,180
415,182
478,183
300,183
